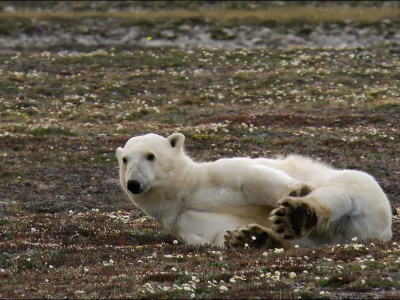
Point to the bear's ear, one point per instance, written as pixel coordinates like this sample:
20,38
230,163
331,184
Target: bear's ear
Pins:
118,153
176,140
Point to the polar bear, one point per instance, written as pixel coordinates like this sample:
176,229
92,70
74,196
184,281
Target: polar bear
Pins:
261,202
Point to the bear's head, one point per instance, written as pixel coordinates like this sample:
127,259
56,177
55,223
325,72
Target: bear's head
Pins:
150,161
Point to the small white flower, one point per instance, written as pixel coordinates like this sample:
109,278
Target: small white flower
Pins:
265,254
246,245
174,269
71,212
33,230
175,242
354,239
86,269
292,274
362,281
51,267
297,246
253,238
46,280
223,288
111,261
317,278
322,293
193,295
363,267
233,280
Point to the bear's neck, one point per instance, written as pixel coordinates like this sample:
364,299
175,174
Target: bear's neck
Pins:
164,203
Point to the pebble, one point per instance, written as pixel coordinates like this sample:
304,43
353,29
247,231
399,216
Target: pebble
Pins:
9,8
111,181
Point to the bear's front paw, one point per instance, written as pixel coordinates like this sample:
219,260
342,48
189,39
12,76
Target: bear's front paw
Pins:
298,190
296,217
253,235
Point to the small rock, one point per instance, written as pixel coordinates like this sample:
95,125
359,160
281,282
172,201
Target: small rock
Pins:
43,187
295,39
229,32
111,181
23,36
9,8
169,34
348,37
117,32
184,27
87,40
244,28
365,32
265,32
258,41
132,34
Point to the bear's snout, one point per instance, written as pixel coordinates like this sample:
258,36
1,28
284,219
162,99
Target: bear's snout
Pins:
134,187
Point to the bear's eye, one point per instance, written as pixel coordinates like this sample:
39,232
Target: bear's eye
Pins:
124,160
150,157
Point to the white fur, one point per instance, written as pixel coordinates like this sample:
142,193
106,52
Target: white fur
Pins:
199,202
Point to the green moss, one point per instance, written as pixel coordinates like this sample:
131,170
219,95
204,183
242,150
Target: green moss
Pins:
388,106
26,263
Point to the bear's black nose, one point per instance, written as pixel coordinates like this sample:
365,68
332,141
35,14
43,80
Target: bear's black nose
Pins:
134,186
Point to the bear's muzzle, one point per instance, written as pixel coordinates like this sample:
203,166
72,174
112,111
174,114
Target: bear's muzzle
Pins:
134,187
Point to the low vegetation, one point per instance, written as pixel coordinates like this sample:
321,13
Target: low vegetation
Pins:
68,230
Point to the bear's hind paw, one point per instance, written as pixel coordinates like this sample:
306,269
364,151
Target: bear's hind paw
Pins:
253,235
293,219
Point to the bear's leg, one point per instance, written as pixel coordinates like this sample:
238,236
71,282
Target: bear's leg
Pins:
340,212
254,235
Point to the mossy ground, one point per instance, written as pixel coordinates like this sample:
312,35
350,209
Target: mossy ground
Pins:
68,230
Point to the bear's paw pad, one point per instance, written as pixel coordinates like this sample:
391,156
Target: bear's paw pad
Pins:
253,235
293,218
298,190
